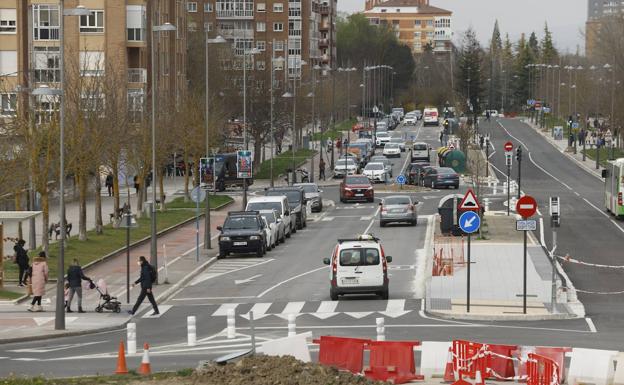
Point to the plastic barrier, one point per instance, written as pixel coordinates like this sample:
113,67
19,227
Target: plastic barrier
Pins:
433,358
296,346
542,370
618,378
469,359
392,361
556,354
591,365
343,353
499,365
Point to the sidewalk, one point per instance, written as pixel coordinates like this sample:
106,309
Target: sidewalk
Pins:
16,323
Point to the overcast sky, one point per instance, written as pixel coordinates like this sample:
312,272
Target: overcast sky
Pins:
566,18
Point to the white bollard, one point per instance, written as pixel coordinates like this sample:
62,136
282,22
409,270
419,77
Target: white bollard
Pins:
381,329
486,202
191,330
131,337
292,326
231,326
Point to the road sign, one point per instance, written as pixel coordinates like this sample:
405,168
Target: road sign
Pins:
244,164
401,179
526,225
469,222
575,125
198,194
508,146
526,206
546,110
469,202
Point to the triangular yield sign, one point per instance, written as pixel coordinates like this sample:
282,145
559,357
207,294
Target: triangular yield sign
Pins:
469,202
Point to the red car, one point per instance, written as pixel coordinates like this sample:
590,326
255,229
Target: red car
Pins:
356,188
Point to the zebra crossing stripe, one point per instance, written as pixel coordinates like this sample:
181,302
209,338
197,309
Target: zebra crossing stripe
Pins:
222,310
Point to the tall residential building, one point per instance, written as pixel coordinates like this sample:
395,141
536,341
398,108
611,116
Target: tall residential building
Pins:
415,23
597,11
114,35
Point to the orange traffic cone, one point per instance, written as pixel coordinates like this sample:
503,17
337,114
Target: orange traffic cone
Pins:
146,367
449,375
121,360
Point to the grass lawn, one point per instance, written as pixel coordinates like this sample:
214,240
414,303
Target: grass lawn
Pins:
9,295
604,154
215,201
282,162
112,239
337,132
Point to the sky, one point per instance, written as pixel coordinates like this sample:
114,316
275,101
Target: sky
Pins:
566,18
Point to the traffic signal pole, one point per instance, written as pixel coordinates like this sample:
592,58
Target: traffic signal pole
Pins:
519,159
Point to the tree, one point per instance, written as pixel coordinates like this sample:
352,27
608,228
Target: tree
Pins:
549,53
533,46
469,74
524,57
495,70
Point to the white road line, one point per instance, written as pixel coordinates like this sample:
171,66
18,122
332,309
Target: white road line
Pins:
222,310
162,309
293,308
208,274
327,307
372,221
210,298
591,325
395,305
542,241
290,279
260,308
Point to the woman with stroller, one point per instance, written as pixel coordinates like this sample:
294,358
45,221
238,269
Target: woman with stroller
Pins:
75,276
38,277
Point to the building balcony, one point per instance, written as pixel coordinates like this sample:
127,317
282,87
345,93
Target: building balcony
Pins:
234,14
323,42
442,37
441,49
236,33
324,9
324,26
137,75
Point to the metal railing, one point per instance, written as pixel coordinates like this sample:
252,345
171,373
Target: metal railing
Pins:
137,75
234,13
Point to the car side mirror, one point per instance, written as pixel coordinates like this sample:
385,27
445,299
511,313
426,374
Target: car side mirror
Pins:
388,258
220,228
326,261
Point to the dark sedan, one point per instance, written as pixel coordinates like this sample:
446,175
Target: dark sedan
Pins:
437,177
416,171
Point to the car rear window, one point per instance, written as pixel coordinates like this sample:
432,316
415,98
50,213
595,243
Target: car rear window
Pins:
241,223
257,206
359,257
420,147
357,180
374,166
397,201
446,171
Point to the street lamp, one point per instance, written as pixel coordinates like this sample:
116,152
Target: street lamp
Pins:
207,232
273,61
246,52
312,94
293,95
156,29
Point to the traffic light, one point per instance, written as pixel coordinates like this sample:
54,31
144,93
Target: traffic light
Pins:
519,153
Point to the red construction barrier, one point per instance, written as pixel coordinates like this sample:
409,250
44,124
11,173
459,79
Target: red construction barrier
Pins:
392,361
501,366
542,371
470,358
341,352
557,354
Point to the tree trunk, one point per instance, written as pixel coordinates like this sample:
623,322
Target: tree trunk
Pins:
116,192
45,208
161,185
99,226
186,178
18,207
82,207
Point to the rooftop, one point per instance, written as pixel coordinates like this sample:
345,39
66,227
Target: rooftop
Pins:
424,9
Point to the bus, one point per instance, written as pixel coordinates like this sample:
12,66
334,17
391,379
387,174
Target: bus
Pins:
614,186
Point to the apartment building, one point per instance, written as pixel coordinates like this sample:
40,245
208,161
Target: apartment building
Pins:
597,11
114,37
415,23
299,31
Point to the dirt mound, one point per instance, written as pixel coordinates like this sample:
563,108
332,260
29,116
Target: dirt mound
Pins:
265,370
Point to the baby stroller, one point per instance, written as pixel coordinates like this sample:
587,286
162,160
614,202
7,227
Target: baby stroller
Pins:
106,301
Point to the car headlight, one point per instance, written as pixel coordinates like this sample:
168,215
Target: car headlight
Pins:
254,238
224,238
369,188
347,189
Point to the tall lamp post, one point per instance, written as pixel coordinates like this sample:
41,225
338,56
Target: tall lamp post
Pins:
59,320
273,61
312,94
293,95
207,232
246,52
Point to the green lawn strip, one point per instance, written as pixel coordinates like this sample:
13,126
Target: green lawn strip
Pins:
215,201
604,154
9,295
282,162
337,132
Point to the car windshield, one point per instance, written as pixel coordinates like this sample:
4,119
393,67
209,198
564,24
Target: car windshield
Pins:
382,159
382,135
396,140
341,163
359,257
374,166
420,147
293,196
392,145
397,201
309,188
446,171
357,180
257,206
241,223
270,218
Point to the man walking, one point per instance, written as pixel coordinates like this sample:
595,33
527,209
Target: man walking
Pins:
21,259
322,169
147,278
75,276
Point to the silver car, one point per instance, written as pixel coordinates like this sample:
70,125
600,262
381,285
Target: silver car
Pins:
312,195
398,208
276,227
387,163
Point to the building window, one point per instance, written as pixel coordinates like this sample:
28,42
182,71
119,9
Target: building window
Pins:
278,65
135,22
294,28
135,104
417,45
94,23
261,45
279,45
208,7
47,64
383,11
8,63
93,102
261,7
417,35
260,65
191,6
261,26
429,35
430,23
8,104
207,26
8,21
91,63
294,47
45,22
278,7
278,27
242,45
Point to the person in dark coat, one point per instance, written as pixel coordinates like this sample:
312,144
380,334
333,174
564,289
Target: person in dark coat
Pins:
109,184
75,276
146,279
21,259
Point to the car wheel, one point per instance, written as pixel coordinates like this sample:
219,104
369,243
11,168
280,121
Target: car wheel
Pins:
305,223
294,229
333,295
415,222
382,224
384,294
261,251
222,254
289,233
370,200
457,186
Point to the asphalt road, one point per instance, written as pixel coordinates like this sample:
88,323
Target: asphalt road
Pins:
292,279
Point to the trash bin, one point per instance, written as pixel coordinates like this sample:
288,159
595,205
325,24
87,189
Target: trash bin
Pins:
449,215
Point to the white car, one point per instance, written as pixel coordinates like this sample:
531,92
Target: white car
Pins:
431,117
358,266
410,120
392,149
421,151
386,162
275,228
381,126
343,167
400,142
376,172
277,203
382,139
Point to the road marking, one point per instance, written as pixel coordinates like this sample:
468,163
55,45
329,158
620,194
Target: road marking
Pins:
291,308
290,279
365,218
209,274
162,309
395,305
327,307
358,314
247,280
327,219
372,220
42,320
542,241
56,348
591,325
259,309
223,309
210,298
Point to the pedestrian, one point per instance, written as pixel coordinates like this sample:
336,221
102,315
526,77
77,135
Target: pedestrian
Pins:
322,169
38,278
442,138
147,278
75,276
21,260
109,184
136,183
481,141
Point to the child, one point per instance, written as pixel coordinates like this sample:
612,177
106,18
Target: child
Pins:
66,294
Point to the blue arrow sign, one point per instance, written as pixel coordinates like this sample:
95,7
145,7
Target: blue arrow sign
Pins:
401,179
469,222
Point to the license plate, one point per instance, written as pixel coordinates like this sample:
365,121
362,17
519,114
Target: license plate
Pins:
240,243
359,195
350,281
397,211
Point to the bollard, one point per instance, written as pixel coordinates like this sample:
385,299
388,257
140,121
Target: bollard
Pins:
231,326
486,202
191,330
292,327
381,329
131,337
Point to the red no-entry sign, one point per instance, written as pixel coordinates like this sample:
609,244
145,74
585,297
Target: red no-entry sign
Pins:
526,206
508,146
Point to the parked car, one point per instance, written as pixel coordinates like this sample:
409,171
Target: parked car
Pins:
392,149
376,172
420,151
356,188
280,205
296,202
416,171
382,125
398,208
242,232
441,177
358,266
345,166
313,195
277,232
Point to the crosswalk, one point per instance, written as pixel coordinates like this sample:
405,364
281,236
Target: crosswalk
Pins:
227,266
322,310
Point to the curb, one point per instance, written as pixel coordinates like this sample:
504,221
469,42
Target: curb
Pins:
476,317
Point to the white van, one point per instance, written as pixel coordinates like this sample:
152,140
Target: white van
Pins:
421,151
431,116
358,266
277,203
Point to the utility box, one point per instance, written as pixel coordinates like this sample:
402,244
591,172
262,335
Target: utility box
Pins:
449,214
